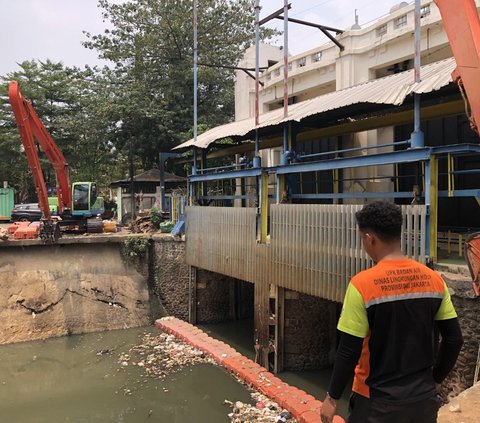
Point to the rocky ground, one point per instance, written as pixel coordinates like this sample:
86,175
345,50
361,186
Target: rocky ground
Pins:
465,408
163,354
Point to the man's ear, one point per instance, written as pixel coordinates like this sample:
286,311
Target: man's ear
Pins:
372,239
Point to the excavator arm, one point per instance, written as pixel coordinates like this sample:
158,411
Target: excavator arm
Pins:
30,126
462,25
26,134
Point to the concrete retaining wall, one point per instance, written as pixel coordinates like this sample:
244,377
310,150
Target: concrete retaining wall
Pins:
48,291
468,310
310,331
170,275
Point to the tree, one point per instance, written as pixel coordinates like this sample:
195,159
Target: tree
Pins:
151,48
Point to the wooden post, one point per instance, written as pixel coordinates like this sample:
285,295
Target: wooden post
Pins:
192,295
279,328
232,303
261,322
333,318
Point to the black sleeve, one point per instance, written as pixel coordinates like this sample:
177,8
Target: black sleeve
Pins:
450,346
348,353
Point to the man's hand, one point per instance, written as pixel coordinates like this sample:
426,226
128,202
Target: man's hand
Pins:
329,407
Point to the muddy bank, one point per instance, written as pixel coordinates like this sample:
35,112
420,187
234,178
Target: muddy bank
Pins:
48,291
462,409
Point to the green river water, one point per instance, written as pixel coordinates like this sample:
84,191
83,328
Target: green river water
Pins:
63,380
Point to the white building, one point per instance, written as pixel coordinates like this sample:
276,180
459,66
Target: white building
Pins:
383,48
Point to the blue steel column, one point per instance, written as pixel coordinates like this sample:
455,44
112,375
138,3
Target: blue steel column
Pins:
284,159
417,138
256,159
195,85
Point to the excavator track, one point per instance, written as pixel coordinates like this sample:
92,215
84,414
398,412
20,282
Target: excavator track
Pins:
94,226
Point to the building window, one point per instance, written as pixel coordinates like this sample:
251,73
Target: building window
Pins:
276,72
290,66
317,56
401,21
269,76
302,62
381,30
425,11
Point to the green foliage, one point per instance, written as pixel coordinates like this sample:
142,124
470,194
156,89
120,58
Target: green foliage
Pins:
143,103
151,45
135,247
155,217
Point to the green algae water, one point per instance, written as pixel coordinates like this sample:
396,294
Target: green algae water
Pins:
78,379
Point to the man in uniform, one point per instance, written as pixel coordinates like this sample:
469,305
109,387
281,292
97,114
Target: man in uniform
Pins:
387,329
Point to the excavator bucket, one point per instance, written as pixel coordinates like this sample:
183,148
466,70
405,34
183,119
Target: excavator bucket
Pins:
49,230
472,255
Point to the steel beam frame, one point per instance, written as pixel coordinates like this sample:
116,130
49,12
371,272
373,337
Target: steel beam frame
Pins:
343,195
256,171
405,156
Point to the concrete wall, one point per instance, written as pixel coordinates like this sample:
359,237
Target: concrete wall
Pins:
213,297
170,276
310,331
245,85
467,308
48,291
217,297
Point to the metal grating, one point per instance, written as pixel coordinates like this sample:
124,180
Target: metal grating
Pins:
314,249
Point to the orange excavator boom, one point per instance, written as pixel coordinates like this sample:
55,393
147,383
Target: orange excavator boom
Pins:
30,126
462,25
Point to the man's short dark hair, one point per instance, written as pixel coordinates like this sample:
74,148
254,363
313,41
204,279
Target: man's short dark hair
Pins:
382,218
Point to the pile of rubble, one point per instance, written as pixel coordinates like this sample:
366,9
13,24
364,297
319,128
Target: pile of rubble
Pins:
161,355
264,411
142,224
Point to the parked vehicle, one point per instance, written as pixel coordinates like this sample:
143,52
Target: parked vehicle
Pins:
26,212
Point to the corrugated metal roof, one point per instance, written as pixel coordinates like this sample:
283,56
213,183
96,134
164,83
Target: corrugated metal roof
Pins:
391,89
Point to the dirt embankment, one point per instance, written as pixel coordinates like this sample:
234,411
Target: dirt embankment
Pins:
465,408
48,291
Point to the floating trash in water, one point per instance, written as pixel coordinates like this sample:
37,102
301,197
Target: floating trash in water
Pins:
264,410
161,355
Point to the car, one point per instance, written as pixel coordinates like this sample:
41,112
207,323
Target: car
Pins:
28,212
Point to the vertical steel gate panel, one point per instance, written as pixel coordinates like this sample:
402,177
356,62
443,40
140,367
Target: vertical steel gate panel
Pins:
314,249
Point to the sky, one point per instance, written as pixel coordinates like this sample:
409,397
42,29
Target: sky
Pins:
53,29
